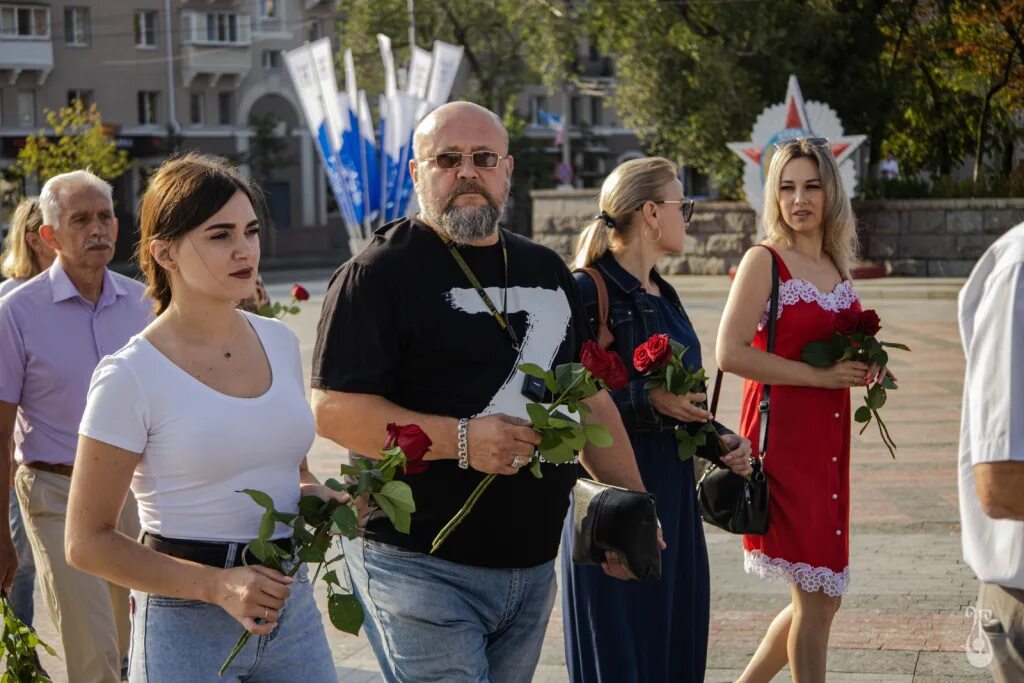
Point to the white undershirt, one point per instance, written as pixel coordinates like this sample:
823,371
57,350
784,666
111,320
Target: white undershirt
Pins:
199,446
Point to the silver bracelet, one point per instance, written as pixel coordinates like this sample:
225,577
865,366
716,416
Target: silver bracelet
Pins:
464,444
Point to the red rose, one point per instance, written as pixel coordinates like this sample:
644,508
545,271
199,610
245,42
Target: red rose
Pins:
299,293
604,365
653,353
413,442
868,322
846,322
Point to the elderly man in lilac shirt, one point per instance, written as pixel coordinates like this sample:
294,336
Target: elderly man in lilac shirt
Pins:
53,331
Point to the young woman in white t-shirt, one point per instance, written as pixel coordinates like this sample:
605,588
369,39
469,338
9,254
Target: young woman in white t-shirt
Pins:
206,401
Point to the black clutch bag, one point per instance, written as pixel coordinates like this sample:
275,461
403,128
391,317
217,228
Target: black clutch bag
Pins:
612,518
728,501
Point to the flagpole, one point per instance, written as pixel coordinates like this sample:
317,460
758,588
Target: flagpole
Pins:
412,27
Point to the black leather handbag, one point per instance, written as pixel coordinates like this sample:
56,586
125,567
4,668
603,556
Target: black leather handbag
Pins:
612,518
728,501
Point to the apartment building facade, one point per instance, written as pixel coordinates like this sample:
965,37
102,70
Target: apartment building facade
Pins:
172,75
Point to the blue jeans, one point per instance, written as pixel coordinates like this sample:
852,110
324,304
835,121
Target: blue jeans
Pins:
176,640
25,578
428,619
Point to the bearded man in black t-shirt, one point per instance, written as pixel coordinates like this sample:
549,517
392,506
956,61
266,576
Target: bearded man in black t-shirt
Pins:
407,337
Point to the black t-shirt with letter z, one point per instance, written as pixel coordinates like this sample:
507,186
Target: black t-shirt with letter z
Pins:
402,321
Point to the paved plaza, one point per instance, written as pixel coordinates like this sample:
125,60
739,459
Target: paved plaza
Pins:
903,619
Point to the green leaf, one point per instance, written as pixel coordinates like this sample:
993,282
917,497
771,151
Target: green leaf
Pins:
294,310
558,454
880,358
389,509
402,521
345,612
538,415
533,370
821,354
876,397
285,517
677,348
670,373
350,470
260,498
560,420
687,447
400,494
263,550
535,468
345,521
863,414
312,509
888,383
598,435
891,345
574,437
267,525
335,485
311,554
331,578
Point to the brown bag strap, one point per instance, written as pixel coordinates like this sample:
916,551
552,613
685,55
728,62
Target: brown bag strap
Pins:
718,390
604,335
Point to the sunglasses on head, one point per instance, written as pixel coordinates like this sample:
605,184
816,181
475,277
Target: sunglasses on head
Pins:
823,143
685,206
449,160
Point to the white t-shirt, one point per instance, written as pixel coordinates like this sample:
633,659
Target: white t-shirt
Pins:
199,446
991,316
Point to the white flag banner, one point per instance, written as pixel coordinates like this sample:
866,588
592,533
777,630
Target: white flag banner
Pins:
419,72
390,80
317,100
447,58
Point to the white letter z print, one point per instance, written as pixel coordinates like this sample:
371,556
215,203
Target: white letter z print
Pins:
547,324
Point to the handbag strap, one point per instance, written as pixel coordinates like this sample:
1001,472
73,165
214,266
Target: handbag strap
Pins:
604,334
763,406
773,311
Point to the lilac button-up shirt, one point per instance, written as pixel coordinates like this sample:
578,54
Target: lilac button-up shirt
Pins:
51,339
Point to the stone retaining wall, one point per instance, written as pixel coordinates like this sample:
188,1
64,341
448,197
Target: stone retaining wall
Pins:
909,237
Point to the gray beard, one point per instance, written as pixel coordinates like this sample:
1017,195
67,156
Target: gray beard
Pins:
466,224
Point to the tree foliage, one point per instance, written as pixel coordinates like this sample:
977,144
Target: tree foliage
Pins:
81,143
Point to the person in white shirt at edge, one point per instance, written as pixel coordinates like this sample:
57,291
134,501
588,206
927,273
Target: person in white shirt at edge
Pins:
991,317
205,401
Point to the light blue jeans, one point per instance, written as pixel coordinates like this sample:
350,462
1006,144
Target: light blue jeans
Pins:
177,640
25,578
432,620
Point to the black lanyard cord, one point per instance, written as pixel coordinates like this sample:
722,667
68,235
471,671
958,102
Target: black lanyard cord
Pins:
501,318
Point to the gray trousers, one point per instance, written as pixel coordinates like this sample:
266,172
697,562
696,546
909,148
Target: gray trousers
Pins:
1005,630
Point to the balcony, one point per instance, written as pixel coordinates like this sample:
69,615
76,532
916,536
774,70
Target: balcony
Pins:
215,62
18,54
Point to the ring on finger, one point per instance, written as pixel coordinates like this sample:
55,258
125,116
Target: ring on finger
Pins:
266,613
517,462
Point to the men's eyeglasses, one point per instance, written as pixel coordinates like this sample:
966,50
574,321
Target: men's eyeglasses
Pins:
685,206
822,143
450,160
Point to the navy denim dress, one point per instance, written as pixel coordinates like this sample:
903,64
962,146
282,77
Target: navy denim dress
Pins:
651,631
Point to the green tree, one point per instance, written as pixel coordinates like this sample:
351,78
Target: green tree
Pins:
81,143
508,43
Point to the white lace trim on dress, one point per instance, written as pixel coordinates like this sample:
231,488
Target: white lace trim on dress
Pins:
795,289
808,578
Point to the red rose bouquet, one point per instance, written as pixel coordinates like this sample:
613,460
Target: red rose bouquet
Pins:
854,339
562,436
317,520
660,360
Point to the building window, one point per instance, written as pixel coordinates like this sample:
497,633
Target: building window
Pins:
147,107
216,28
26,108
19,21
224,108
145,29
197,108
76,26
316,29
78,94
221,28
271,60
575,110
596,111
268,9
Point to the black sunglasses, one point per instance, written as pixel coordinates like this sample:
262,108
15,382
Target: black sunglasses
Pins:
823,143
450,160
685,206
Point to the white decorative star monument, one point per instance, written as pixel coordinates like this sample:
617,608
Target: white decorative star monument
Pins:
794,118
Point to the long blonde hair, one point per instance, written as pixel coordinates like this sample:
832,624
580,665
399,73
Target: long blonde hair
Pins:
627,187
838,224
17,260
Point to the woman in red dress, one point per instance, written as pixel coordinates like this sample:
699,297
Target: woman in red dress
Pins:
810,233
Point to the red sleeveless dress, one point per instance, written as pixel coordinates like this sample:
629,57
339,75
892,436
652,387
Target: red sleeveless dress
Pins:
808,458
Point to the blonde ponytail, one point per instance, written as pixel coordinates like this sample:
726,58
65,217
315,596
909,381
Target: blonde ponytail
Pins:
592,244
624,190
